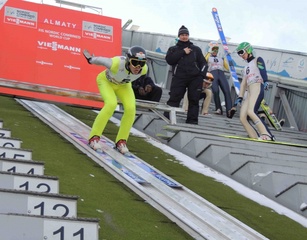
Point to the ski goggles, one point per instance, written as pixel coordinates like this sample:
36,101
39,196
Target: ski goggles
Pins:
241,52
137,63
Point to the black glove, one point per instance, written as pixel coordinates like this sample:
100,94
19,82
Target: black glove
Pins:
148,88
142,91
87,55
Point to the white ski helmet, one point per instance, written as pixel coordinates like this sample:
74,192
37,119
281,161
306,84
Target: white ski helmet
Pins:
212,45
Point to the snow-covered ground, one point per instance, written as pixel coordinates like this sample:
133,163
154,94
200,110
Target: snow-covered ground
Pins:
205,170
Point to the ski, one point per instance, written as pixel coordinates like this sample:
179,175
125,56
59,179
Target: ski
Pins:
143,165
112,161
233,72
265,141
270,115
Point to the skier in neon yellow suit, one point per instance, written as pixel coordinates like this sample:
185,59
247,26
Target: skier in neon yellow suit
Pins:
115,82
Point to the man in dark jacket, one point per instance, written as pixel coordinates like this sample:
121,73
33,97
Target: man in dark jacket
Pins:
189,68
145,89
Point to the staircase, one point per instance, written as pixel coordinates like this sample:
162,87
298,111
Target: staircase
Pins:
30,204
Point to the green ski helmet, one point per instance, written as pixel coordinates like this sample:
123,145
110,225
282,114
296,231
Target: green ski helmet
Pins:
246,47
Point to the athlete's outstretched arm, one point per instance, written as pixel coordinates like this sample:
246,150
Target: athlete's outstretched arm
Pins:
107,62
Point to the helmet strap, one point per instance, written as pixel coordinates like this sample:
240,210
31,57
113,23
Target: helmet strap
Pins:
127,67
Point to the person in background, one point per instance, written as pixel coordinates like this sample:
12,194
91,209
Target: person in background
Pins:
217,65
115,82
145,89
206,94
189,68
254,80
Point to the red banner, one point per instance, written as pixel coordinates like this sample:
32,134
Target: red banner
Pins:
42,44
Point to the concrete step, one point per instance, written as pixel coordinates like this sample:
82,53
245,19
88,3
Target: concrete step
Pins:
274,183
250,172
27,227
21,166
15,153
33,203
235,160
299,204
10,142
5,132
194,144
28,182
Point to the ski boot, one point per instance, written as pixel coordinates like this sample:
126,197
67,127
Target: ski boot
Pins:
231,112
94,143
121,146
218,112
266,137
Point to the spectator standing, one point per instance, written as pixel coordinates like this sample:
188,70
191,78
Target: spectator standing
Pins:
115,82
217,65
145,89
189,68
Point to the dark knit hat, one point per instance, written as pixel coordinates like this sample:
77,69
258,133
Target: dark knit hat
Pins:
183,30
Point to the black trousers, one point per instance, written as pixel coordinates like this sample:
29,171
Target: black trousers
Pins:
177,91
221,81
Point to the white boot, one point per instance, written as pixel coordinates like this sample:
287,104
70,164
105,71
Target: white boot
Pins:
121,146
266,137
94,143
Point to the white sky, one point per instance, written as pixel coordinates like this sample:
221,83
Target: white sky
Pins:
201,168
268,23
